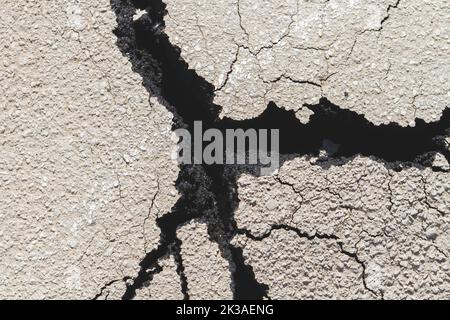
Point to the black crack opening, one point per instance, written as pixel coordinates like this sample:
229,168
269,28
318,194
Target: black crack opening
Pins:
208,192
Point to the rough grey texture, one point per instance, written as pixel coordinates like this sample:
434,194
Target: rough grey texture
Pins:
206,270
165,285
83,154
87,178
385,59
299,268
396,224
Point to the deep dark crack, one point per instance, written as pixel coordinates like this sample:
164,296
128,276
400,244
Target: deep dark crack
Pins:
209,192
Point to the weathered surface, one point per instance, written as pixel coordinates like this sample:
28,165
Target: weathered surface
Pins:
299,268
87,182
385,59
165,285
397,224
84,156
207,272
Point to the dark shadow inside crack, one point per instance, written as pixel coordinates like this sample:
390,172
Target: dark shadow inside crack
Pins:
204,192
165,74
352,133
210,192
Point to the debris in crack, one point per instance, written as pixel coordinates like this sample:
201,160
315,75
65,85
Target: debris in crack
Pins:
351,132
165,75
196,198
209,192
81,151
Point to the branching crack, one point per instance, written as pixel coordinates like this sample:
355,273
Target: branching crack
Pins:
300,233
180,269
388,13
316,235
230,71
209,192
427,201
364,270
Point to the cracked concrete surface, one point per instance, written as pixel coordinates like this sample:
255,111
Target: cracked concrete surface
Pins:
165,285
396,223
83,153
206,270
93,206
299,268
387,60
